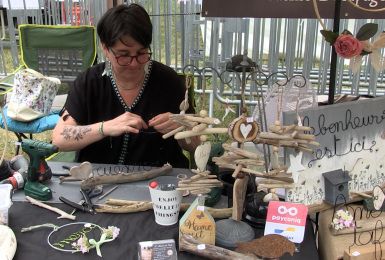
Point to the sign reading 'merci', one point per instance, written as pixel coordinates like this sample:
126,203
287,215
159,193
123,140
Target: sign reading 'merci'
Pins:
290,8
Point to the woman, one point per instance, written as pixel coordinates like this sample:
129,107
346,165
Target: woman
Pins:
117,111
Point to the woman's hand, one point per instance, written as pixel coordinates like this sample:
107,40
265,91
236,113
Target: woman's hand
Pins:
125,123
162,123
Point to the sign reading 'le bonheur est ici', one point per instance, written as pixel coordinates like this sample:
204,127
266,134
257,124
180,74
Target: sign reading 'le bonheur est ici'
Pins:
286,219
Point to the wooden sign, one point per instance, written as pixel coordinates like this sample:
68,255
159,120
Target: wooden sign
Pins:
290,8
351,137
198,223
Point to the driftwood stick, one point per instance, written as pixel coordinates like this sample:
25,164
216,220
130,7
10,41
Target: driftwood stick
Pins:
273,136
195,186
305,149
237,170
239,194
62,213
134,207
259,174
199,128
276,185
189,244
305,137
362,194
252,162
196,171
207,131
126,177
204,181
173,132
204,120
241,152
68,179
199,191
289,128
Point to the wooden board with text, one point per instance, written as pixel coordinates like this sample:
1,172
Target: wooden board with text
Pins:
351,137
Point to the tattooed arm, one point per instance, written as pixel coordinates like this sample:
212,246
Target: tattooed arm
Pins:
69,136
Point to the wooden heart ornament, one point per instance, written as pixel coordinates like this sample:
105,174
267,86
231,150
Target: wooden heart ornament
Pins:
243,130
201,155
378,197
81,172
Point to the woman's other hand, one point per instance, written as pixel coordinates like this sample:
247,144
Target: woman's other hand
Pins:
162,123
125,123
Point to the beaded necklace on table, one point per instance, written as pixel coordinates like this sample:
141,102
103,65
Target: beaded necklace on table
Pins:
126,137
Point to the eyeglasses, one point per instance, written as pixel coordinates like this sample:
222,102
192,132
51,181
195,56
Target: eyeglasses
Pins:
125,60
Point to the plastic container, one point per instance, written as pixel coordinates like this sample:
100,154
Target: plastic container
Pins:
165,199
5,202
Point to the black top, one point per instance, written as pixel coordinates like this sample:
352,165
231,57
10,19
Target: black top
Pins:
94,98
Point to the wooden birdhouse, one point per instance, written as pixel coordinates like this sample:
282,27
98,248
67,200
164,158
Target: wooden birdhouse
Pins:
336,186
198,223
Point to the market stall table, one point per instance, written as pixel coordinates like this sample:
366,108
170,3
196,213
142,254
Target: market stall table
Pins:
134,227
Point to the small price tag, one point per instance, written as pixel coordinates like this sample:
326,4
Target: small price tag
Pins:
249,119
201,247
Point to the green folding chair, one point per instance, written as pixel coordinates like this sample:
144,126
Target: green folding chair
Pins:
56,51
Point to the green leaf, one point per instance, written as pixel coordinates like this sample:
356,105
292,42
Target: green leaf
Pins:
329,36
367,31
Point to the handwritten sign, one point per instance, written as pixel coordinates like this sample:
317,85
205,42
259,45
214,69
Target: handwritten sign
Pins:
289,8
351,137
198,223
286,219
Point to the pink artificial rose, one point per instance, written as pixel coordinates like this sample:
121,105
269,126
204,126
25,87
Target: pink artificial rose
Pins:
347,46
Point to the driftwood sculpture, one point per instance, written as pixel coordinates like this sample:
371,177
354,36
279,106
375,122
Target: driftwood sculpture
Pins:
200,183
240,160
292,136
126,177
189,244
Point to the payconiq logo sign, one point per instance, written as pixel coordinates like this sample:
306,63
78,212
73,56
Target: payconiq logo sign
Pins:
286,219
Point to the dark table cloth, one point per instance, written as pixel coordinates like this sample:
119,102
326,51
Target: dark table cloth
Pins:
134,227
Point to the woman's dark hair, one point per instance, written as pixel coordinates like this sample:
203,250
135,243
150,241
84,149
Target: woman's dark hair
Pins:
123,20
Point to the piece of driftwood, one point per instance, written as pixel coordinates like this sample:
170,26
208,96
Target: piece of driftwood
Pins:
126,177
189,244
62,213
237,170
207,131
197,119
283,178
127,206
173,132
239,194
241,152
199,128
246,162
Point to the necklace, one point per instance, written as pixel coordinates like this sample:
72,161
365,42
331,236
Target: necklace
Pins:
136,86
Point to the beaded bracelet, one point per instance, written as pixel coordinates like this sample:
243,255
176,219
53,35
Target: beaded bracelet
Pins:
101,132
